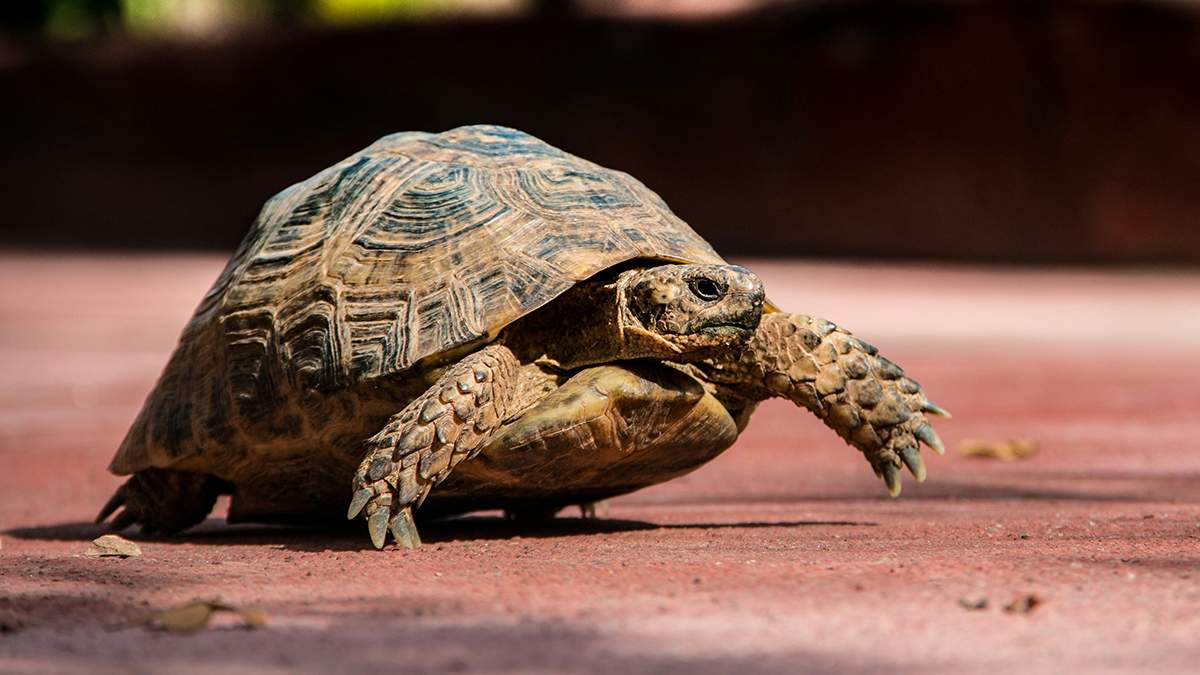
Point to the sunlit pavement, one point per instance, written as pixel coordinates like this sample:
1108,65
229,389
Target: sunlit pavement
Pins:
785,555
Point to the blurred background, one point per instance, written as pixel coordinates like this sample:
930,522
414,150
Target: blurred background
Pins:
973,130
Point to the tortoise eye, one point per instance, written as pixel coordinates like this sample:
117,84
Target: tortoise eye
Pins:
706,289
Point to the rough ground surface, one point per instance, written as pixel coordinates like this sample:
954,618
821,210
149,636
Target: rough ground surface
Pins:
785,555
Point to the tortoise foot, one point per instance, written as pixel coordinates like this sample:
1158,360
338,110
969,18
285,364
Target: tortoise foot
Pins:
162,501
588,510
421,445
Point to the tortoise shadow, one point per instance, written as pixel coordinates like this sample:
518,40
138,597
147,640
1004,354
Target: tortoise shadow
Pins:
353,537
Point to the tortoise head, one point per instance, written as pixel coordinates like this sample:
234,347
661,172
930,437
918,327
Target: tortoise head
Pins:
687,312
678,313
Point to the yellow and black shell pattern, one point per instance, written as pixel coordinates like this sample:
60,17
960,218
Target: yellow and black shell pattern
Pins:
419,244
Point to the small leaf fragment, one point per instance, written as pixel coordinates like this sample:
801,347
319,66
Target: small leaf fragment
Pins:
186,619
1003,450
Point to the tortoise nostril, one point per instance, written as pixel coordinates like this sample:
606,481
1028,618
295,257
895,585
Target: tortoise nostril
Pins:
706,289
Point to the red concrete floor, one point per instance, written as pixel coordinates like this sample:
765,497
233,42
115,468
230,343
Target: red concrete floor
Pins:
785,555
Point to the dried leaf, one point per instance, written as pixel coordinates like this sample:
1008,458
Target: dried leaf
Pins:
973,604
253,618
192,617
186,619
1023,604
1003,450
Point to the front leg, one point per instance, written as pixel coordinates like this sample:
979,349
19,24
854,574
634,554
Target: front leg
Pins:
418,448
844,381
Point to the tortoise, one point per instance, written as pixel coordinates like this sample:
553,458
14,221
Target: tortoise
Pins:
478,320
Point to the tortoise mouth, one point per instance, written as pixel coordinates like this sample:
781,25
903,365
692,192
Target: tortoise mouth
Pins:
740,333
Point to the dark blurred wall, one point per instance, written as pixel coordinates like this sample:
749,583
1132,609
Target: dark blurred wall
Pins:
1016,131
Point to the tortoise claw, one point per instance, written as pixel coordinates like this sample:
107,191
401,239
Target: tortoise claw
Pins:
935,409
916,465
891,476
115,502
925,433
360,500
405,530
377,524
123,520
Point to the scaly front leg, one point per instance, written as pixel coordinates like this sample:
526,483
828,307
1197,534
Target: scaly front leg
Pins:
450,422
844,381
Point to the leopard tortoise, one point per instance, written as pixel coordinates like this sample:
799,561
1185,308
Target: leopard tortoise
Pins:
477,320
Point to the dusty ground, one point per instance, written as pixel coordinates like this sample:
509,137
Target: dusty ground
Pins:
785,555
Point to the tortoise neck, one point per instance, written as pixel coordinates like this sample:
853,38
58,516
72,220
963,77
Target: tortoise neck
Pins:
791,356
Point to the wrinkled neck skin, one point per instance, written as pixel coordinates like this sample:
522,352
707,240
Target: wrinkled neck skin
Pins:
786,358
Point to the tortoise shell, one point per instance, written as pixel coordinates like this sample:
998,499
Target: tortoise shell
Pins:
414,247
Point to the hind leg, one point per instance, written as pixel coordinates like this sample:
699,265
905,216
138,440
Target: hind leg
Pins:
163,501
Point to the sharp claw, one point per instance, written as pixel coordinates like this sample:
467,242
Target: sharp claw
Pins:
377,524
115,502
359,501
123,520
935,409
405,530
926,433
891,476
916,465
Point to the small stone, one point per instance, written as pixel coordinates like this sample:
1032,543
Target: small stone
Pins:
110,545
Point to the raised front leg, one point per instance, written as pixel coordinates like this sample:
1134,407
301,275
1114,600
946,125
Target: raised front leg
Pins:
862,396
420,446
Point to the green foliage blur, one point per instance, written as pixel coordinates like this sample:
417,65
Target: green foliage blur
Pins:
67,20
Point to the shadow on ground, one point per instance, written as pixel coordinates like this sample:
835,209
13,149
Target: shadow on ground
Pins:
352,536
370,645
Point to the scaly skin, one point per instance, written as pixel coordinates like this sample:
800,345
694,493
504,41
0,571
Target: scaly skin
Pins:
844,381
417,449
